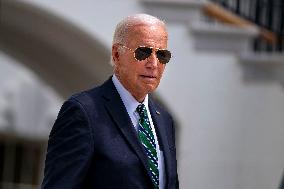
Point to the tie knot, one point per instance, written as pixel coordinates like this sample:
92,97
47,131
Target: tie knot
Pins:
140,109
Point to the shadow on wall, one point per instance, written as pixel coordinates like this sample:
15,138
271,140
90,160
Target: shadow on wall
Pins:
266,71
62,55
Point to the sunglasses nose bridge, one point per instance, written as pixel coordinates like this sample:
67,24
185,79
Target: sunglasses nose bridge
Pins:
153,59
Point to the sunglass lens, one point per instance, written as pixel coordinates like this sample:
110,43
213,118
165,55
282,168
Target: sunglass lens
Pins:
141,53
164,56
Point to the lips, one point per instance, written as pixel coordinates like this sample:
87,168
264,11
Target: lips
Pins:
148,76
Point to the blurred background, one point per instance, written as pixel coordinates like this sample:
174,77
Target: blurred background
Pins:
224,84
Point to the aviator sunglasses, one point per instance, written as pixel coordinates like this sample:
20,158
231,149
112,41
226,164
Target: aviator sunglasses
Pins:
143,52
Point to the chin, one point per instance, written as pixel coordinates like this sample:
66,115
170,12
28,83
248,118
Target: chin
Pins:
151,88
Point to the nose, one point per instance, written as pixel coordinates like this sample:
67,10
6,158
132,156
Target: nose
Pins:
152,61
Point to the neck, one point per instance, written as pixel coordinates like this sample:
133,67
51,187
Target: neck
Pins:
139,97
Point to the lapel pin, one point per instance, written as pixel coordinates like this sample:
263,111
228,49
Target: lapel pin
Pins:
158,112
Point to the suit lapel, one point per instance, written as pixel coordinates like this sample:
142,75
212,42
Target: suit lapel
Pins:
118,112
160,127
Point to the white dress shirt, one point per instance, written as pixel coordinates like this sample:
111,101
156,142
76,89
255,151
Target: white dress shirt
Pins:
131,104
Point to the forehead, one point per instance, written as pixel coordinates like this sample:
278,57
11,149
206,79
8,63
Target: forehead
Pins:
154,35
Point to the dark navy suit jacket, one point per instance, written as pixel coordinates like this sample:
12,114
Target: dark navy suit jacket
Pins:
93,145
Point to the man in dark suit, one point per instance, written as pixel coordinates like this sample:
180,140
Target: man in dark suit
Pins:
115,135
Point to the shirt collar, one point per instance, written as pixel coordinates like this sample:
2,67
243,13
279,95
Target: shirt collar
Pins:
128,100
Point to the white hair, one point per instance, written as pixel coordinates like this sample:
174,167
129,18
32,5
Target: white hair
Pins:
123,27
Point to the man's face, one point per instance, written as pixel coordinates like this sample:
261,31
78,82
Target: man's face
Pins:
140,77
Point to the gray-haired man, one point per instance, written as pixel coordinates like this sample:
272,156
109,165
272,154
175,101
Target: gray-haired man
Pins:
115,135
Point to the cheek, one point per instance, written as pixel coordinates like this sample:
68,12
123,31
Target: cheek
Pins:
161,69
132,71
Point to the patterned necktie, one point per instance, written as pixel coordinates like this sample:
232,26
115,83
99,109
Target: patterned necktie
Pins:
147,139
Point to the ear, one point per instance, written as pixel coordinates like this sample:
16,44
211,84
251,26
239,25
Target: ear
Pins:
115,53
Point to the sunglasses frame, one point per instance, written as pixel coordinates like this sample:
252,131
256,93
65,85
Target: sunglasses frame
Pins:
152,48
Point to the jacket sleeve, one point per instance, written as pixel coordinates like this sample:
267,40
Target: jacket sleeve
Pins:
70,149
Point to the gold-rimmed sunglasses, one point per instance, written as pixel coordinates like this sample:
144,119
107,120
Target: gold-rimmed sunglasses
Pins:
143,52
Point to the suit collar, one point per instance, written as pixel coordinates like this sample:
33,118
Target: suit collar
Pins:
119,114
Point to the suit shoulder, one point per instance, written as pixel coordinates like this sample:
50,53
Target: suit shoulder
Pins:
91,100
93,94
81,94
84,97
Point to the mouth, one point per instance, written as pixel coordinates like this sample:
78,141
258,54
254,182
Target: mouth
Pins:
148,76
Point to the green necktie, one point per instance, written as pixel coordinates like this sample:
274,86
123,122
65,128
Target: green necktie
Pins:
147,139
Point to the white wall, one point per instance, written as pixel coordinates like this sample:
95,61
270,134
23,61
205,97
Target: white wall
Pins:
231,130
